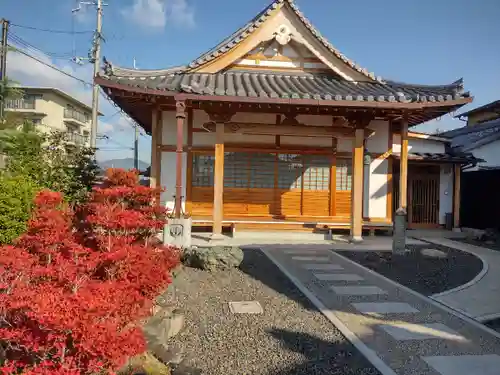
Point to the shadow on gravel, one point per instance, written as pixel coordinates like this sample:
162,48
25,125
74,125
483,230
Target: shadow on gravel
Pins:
258,266
425,274
322,357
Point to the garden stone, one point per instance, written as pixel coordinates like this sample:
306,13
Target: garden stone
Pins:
213,258
164,325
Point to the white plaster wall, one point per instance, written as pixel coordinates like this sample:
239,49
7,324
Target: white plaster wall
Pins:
490,153
375,189
418,145
378,141
306,141
168,164
445,192
169,136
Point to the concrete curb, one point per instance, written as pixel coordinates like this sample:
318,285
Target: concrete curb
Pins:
488,317
438,304
369,354
475,280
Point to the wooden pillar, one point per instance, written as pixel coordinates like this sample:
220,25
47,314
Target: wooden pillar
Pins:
403,179
357,187
456,196
180,115
154,146
218,210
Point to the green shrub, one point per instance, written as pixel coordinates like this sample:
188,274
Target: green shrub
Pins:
16,197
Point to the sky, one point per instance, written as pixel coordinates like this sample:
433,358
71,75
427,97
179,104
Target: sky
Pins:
414,41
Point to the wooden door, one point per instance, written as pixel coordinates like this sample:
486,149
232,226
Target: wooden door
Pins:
423,194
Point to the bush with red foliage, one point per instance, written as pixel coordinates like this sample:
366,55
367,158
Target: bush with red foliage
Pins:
75,288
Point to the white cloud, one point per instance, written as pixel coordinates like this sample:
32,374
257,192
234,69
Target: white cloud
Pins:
180,13
155,14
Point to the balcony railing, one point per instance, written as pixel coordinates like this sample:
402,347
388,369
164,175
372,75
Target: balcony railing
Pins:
76,115
20,104
76,138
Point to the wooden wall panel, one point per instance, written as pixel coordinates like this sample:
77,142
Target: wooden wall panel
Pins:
202,201
343,203
261,202
289,202
316,203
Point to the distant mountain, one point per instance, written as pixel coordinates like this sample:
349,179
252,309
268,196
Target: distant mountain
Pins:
126,163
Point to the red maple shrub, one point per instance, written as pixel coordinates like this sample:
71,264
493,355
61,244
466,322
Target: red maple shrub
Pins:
75,287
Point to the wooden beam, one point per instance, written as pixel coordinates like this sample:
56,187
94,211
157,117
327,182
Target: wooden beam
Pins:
403,175
357,187
218,209
456,196
189,171
154,145
333,176
180,115
390,180
157,150
286,130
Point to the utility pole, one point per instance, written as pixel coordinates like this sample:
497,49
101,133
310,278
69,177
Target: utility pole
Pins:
136,148
3,64
97,60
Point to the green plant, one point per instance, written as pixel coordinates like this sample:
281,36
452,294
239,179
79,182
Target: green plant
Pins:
16,197
47,160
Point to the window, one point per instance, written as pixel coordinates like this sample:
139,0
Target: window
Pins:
262,170
290,167
317,172
344,174
36,121
203,170
236,169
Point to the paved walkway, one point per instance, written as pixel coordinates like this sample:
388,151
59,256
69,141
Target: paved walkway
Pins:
401,332
479,299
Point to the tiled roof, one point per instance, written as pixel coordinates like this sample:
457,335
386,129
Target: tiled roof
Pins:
490,107
244,32
453,157
289,85
468,138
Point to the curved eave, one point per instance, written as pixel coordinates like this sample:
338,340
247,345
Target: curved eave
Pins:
137,108
292,101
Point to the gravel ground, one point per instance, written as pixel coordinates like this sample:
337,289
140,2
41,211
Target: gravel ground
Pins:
290,337
489,245
424,274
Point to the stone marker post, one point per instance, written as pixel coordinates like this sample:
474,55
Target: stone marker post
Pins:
399,232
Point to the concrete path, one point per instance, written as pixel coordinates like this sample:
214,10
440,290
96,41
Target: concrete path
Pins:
400,331
480,298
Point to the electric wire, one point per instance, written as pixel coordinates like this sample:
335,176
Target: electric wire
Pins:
52,30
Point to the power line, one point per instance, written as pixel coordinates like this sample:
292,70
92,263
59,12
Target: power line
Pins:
20,41
53,31
49,65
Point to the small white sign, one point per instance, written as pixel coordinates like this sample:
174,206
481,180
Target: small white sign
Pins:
246,307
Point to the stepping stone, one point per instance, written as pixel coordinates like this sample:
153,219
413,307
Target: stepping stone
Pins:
302,251
488,364
424,331
384,308
246,307
311,258
322,267
433,253
338,277
363,290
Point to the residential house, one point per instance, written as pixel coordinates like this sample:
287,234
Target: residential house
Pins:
51,109
275,129
480,137
487,112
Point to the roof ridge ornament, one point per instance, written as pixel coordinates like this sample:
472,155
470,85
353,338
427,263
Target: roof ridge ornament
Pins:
283,36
